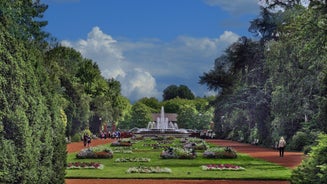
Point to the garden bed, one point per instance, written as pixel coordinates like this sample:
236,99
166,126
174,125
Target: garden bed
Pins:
180,168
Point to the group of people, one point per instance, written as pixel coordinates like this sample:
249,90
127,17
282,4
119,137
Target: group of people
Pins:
115,134
207,134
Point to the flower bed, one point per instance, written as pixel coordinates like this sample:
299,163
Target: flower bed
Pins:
142,169
89,153
132,160
122,150
220,152
221,167
179,153
84,165
195,146
157,146
121,143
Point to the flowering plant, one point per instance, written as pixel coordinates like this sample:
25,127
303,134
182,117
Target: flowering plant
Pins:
220,152
132,160
84,165
123,149
221,167
180,153
143,169
90,153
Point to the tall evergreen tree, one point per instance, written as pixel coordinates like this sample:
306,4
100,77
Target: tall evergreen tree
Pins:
32,141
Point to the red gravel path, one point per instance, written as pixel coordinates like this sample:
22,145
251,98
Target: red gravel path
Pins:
290,159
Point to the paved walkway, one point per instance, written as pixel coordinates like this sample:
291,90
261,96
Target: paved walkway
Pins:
290,159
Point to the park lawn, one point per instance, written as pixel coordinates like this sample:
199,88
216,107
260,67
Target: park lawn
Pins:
181,168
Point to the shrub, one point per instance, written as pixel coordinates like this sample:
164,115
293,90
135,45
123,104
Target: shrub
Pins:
314,168
220,152
121,143
103,154
76,138
179,153
299,140
195,146
89,153
85,153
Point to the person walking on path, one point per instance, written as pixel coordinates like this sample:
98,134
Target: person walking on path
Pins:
281,146
86,140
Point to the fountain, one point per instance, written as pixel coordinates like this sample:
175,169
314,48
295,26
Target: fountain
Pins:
162,127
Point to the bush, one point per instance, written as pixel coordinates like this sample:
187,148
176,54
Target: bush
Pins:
89,153
314,168
121,143
299,140
179,153
220,152
76,138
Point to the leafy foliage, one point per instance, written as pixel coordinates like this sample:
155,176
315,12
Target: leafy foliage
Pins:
314,168
275,86
174,91
32,127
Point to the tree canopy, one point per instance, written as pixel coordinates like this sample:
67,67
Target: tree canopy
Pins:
174,91
275,86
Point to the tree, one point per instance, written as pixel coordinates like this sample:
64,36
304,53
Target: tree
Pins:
187,117
174,91
90,99
23,18
266,26
140,115
170,92
190,118
294,62
152,103
30,116
240,76
185,93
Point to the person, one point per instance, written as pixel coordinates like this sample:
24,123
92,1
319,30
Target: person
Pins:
88,140
85,139
281,146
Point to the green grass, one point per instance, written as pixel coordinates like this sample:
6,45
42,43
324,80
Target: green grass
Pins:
181,169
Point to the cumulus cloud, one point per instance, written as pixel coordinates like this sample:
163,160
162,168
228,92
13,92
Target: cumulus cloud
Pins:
236,6
146,67
138,84
103,49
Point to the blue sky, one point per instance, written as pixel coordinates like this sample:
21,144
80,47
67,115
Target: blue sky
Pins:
150,44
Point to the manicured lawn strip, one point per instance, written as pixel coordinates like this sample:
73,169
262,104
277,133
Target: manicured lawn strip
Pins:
181,169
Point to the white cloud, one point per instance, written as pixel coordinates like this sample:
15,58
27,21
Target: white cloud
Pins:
105,51
138,84
146,67
101,48
237,7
